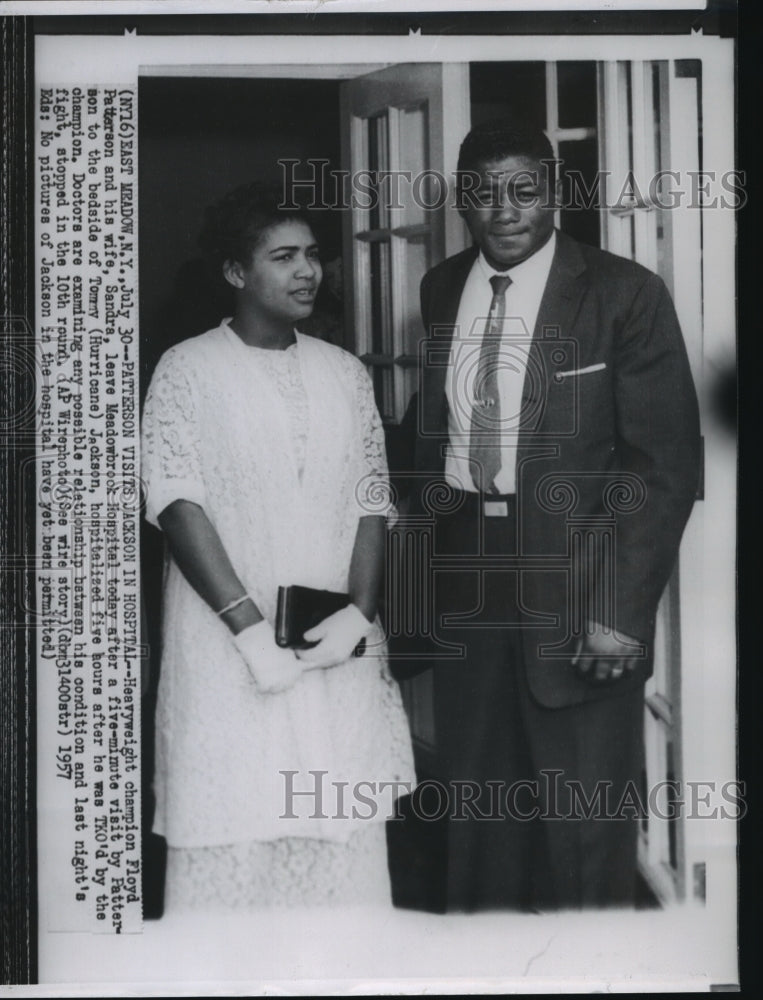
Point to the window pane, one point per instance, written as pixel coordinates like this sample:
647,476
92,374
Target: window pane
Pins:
664,261
577,94
378,159
383,392
417,263
381,304
499,89
414,156
644,797
661,645
581,162
673,809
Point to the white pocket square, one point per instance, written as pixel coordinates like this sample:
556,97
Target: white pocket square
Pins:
581,371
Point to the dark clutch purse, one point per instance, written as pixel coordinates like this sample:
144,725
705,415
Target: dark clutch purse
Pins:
301,608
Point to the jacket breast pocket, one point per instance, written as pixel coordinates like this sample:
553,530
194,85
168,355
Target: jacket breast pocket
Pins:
579,401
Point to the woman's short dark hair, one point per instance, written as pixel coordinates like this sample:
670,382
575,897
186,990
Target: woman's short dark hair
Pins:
234,225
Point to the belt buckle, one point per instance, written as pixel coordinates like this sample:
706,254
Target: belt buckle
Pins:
495,508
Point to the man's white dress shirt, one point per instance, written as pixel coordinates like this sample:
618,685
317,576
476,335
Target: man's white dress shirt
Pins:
523,297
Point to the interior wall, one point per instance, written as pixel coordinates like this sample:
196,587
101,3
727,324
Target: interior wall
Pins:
200,138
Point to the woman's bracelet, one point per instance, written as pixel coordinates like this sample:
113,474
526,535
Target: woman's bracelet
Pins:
232,605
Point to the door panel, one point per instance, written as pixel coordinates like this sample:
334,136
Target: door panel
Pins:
402,127
650,122
406,121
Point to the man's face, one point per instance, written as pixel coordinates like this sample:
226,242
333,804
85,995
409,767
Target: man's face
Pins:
510,212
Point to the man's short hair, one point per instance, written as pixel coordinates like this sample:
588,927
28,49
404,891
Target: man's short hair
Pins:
495,140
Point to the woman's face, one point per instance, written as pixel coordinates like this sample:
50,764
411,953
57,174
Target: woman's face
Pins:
283,275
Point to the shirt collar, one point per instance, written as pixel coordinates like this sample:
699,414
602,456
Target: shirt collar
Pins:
538,265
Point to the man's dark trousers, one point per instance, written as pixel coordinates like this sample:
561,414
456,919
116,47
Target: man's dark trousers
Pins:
505,758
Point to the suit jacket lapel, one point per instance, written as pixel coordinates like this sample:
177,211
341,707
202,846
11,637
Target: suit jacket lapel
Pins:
558,309
446,297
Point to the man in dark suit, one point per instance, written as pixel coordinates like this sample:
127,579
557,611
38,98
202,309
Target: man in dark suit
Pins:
557,454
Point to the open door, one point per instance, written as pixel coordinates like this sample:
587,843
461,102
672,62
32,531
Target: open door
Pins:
650,123
401,131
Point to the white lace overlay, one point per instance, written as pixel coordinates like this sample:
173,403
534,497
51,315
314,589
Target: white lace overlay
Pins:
218,430
284,369
291,872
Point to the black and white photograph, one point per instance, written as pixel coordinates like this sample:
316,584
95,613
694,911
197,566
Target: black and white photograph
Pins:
372,542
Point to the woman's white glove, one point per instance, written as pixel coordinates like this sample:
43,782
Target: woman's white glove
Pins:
273,668
337,636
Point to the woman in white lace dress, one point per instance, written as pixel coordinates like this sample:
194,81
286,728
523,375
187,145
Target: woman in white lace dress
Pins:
264,464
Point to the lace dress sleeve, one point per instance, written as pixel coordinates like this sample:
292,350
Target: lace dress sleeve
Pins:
374,492
170,455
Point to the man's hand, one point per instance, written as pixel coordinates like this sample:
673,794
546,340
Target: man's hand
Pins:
603,655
